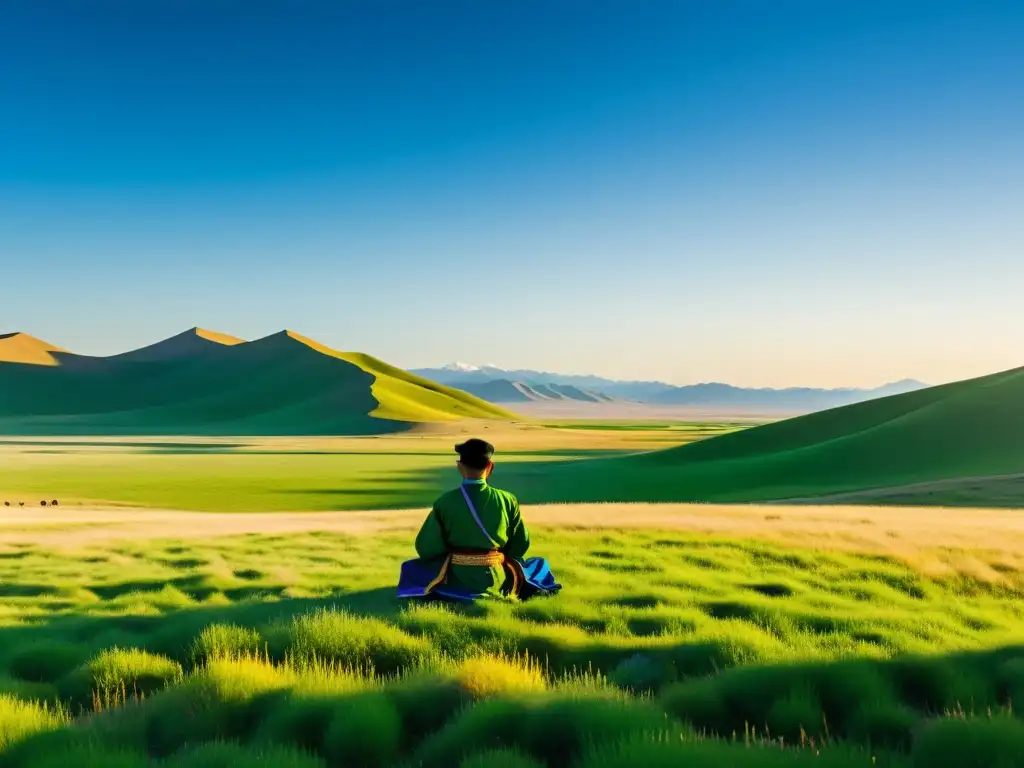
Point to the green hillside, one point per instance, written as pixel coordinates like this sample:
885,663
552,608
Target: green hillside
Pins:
204,384
970,429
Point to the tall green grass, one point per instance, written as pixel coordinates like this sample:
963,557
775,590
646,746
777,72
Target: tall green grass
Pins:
662,649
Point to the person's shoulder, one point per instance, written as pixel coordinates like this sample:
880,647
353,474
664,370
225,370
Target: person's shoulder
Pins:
446,498
506,496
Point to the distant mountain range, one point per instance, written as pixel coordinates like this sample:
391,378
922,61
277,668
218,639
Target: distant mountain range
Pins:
205,383
498,385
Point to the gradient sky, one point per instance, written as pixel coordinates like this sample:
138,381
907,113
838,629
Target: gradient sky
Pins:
765,193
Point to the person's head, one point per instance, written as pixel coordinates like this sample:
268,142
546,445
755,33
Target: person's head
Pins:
475,458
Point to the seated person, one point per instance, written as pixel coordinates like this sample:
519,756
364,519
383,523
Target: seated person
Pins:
472,543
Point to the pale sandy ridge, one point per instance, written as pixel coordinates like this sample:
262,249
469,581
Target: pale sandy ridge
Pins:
27,350
976,541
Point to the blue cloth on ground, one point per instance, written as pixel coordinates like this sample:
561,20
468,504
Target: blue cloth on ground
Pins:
418,577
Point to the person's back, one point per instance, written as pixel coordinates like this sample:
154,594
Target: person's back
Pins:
473,541
451,527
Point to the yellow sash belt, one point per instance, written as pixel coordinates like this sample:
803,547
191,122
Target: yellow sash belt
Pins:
482,559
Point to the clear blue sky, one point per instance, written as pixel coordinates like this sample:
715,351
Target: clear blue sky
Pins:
766,193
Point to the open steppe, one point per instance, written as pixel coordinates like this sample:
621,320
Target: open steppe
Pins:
209,601
746,635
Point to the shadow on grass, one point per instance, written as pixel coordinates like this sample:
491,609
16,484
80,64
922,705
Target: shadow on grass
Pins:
142,444
173,632
533,482
585,480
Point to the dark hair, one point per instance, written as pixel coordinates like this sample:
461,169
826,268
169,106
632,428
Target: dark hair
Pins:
475,453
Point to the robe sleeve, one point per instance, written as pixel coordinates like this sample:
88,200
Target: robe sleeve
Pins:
518,537
430,541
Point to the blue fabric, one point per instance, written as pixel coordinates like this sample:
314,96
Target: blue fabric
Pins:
417,575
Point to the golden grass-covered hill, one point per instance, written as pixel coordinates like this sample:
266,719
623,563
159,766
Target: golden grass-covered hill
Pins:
206,383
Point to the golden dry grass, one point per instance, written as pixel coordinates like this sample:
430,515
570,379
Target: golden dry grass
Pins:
935,541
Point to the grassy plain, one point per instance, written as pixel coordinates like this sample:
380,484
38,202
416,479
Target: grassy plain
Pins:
748,636
721,647
292,474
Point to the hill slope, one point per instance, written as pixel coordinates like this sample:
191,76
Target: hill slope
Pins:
203,383
969,429
27,350
193,342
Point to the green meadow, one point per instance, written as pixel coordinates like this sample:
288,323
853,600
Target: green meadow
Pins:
819,636
293,474
957,444
664,648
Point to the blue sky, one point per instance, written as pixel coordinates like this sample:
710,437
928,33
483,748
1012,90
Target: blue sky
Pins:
785,193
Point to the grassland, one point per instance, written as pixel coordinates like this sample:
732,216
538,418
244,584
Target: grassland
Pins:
263,474
704,635
869,453
668,646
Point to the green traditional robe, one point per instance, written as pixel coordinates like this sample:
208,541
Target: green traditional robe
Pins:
450,526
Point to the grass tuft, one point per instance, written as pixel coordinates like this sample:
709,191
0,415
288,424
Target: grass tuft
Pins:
484,677
226,641
20,720
357,643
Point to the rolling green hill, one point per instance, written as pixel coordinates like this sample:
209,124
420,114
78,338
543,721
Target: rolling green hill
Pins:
204,383
970,430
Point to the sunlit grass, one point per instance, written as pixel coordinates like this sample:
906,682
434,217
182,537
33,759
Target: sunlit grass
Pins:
663,648
289,474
